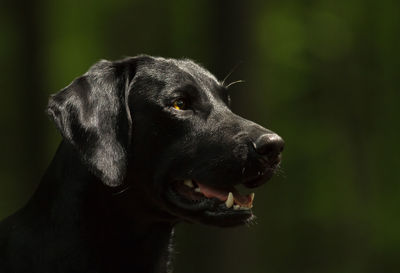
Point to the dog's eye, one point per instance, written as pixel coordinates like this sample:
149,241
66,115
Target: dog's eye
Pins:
180,104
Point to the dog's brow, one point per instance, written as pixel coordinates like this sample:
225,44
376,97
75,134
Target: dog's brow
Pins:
186,88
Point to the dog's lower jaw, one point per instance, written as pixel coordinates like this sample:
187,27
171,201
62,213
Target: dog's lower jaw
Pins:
79,227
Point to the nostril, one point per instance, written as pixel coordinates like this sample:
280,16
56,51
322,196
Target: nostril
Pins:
269,145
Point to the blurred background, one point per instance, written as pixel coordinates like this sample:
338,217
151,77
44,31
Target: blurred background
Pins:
324,74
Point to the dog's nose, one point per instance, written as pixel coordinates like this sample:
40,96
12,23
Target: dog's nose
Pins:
269,146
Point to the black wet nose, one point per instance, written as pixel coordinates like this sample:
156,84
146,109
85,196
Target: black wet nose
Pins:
269,146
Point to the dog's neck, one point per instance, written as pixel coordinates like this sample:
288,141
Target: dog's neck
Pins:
90,223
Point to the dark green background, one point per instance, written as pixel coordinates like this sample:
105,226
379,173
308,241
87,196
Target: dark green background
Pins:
324,74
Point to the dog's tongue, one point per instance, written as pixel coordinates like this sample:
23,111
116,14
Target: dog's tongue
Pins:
222,194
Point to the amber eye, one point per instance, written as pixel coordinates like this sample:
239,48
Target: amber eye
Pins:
180,104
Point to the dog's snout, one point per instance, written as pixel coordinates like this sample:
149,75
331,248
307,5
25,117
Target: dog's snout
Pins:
269,146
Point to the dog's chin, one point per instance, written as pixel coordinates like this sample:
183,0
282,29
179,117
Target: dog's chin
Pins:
199,203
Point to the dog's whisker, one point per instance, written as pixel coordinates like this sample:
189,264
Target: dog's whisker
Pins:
235,82
230,73
251,221
122,191
280,172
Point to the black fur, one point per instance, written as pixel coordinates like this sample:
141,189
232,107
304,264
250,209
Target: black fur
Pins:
107,202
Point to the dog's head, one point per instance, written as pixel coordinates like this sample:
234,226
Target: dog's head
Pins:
164,127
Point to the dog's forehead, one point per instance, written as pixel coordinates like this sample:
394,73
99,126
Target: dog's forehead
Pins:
174,72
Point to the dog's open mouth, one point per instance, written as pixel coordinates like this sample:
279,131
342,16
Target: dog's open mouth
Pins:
229,196
222,206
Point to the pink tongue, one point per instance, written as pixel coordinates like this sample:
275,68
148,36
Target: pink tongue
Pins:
209,192
222,194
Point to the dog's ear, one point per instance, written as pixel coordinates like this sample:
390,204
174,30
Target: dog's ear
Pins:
92,114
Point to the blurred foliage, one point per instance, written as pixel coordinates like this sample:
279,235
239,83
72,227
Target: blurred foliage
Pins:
323,74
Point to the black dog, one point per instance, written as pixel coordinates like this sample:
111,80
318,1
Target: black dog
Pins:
147,142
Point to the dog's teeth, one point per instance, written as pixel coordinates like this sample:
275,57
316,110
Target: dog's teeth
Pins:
197,189
238,207
251,197
229,201
189,183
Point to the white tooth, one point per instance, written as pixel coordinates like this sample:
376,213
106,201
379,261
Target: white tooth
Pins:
252,197
229,201
236,207
189,183
244,208
197,190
